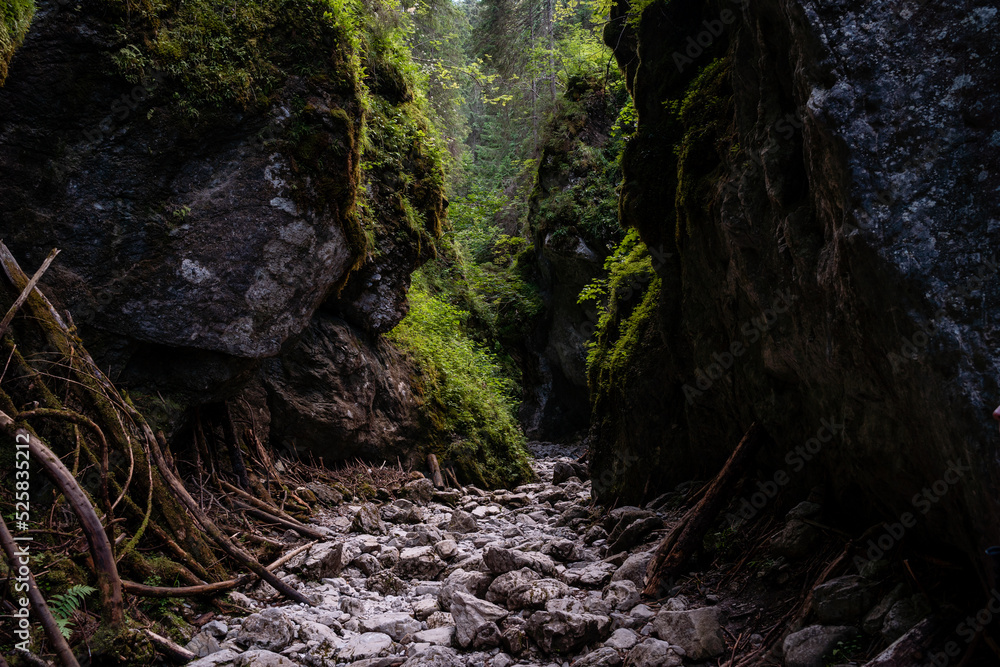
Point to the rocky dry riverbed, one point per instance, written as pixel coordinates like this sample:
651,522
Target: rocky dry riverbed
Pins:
529,576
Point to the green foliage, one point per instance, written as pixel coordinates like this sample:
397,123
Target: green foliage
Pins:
843,652
629,268
15,17
63,607
631,296
471,404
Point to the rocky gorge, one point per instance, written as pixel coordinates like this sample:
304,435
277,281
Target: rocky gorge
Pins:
704,375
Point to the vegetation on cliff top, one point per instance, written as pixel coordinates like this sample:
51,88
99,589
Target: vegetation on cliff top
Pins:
15,17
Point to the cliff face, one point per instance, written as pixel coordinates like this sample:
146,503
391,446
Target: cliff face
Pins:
214,184
572,221
818,182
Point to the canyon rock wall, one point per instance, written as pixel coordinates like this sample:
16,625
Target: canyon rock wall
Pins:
819,181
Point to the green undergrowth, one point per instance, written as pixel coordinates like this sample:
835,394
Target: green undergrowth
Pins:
470,403
580,166
626,302
15,18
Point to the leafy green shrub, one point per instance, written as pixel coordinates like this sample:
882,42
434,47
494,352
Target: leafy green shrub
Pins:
470,403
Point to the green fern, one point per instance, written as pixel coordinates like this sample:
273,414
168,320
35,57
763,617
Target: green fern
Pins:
62,607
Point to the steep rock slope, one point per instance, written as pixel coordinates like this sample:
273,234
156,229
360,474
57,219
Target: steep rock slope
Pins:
215,178
819,182
573,223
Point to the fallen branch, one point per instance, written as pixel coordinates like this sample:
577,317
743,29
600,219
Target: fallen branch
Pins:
687,536
173,651
108,582
432,463
26,292
142,590
52,631
273,514
211,529
290,525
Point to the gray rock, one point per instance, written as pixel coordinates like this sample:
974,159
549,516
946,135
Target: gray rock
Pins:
224,657
438,636
419,563
633,569
312,631
386,582
536,595
842,600
475,583
563,550
622,639
563,470
446,549
506,583
602,657
593,575
435,656
367,520
514,638
420,490
697,631
809,647
500,560
270,629
654,653
621,595
462,522
203,644
324,560
367,563
388,556
476,621
395,624
402,511
261,658
874,618
440,619
424,608
903,615
594,534
367,645
217,629
564,632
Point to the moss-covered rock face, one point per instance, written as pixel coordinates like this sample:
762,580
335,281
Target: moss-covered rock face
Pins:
200,165
801,283
15,17
572,220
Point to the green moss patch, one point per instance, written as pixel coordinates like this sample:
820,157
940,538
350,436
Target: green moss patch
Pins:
15,17
470,404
